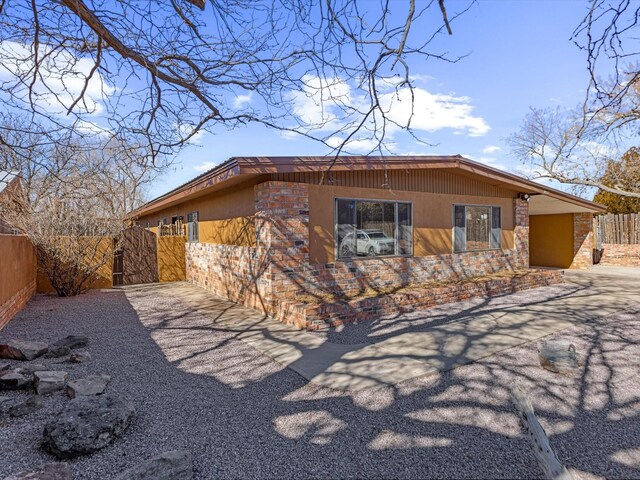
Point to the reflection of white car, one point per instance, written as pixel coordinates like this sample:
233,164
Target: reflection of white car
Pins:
368,242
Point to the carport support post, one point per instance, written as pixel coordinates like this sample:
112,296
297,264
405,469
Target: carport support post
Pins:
582,240
521,231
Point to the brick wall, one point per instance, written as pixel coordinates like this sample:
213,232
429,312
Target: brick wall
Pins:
16,303
278,269
620,255
582,240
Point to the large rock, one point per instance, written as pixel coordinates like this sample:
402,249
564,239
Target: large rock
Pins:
71,342
173,465
558,356
30,405
89,386
87,424
58,351
15,381
80,357
50,471
30,369
22,350
49,381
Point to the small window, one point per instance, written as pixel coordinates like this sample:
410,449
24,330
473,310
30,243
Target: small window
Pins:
370,228
193,234
476,227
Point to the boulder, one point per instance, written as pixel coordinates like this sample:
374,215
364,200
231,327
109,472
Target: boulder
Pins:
89,386
49,381
173,465
87,424
22,350
71,342
4,367
50,471
80,357
30,405
558,356
15,381
58,351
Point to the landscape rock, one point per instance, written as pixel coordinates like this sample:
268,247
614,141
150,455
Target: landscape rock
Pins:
91,385
50,471
49,381
15,381
173,465
22,350
30,369
4,367
558,356
87,424
30,405
58,351
71,342
4,401
80,357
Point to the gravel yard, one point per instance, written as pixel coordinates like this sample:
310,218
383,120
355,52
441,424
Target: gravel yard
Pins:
196,387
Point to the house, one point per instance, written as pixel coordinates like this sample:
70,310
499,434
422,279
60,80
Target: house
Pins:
272,232
9,181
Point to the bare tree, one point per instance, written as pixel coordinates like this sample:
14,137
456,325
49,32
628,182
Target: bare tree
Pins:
70,202
158,72
577,146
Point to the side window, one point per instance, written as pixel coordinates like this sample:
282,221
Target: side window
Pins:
476,227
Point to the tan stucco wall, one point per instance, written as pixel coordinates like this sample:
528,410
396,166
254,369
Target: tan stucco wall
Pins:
17,265
551,240
171,260
432,218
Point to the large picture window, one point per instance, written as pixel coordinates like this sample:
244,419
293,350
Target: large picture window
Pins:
476,227
373,228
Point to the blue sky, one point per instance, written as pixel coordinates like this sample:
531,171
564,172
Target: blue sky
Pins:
520,55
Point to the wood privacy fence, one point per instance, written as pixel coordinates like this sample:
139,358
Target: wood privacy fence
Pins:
621,229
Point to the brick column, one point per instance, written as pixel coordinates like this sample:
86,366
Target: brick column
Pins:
282,227
521,231
582,240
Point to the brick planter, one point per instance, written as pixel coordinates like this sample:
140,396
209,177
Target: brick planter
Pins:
316,316
620,255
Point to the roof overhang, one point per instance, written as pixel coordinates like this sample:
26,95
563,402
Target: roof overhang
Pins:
243,169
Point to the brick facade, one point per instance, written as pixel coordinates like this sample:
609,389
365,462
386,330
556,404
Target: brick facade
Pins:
620,255
582,240
277,273
14,304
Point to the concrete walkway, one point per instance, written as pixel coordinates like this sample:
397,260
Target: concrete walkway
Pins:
391,350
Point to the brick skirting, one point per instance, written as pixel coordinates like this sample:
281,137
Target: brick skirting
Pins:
620,255
322,315
16,303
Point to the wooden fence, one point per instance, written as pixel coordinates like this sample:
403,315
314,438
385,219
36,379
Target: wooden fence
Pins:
617,229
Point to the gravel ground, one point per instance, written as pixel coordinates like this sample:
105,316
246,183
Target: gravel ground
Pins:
243,416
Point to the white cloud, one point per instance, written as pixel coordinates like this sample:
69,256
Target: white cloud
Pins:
489,149
61,79
242,100
333,105
203,167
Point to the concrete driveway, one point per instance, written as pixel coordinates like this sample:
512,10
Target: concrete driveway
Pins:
394,349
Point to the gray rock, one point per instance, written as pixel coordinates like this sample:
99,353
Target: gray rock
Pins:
91,385
4,367
50,471
58,351
173,465
22,350
87,424
30,369
49,381
4,402
72,342
15,381
30,405
80,357
558,356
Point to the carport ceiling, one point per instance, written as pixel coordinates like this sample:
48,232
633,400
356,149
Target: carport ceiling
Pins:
546,205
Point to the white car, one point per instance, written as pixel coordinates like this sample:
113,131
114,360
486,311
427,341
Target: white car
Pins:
368,242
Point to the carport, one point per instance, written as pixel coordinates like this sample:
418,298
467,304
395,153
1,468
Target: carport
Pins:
561,230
